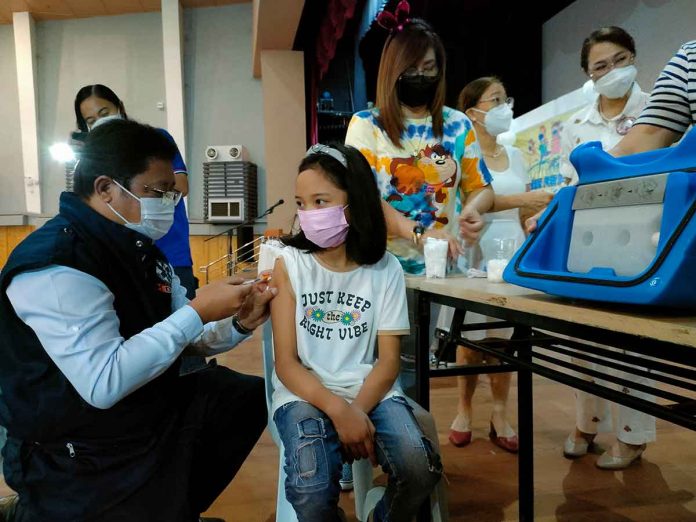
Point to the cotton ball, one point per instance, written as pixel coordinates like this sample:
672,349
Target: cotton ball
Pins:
495,269
435,253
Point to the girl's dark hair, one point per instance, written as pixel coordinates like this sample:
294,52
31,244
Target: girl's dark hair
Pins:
121,149
366,242
612,34
100,91
472,92
402,50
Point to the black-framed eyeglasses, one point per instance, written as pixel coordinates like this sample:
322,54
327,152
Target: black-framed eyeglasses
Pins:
429,72
601,68
167,195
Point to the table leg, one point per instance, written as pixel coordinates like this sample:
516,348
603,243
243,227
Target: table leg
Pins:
525,416
422,355
422,361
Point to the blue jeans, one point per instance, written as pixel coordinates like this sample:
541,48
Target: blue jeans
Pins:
313,461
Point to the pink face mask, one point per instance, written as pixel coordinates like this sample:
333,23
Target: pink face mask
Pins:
325,227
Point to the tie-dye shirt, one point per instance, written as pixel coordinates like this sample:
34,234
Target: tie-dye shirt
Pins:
421,177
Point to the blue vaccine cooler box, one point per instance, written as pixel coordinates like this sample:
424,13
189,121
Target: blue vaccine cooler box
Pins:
624,234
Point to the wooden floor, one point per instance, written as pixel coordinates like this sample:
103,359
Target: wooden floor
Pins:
482,480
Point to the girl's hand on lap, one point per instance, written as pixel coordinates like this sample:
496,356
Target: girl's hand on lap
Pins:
356,432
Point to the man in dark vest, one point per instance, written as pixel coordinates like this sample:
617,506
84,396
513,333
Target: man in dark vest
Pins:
93,324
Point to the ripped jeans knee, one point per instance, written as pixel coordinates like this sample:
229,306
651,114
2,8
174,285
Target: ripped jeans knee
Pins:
312,461
407,456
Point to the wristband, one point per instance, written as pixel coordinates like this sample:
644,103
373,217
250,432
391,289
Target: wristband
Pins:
238,326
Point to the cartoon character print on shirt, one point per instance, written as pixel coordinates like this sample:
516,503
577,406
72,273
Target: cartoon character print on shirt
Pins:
421,182
335,315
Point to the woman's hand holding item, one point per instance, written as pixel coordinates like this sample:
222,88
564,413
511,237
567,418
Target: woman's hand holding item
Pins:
470,224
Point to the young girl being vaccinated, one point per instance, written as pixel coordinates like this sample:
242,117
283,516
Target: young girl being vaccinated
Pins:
340,295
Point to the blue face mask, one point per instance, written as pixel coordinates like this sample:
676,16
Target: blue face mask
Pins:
156,215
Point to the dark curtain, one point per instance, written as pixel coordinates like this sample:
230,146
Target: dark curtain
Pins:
331,29
481,38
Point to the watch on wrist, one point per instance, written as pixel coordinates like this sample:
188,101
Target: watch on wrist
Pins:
238,326
417,233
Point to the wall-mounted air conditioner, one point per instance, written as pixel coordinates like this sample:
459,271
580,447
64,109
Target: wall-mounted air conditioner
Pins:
220,153
230,189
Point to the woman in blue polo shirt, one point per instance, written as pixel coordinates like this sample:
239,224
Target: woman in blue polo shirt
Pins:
97,103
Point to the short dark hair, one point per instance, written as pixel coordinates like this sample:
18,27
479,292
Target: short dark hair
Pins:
366,242
612,34
100,91
120,149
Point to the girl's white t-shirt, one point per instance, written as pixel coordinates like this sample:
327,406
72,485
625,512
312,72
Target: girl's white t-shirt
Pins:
338,316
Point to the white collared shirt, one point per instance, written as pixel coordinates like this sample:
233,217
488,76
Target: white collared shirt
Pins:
588,124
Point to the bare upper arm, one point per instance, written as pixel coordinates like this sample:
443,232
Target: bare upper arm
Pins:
283,315
644,137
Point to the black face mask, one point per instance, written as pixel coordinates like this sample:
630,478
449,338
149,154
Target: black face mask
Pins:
416,91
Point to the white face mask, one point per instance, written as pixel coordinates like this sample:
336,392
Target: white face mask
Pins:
498,119
156,215
105,119
616,83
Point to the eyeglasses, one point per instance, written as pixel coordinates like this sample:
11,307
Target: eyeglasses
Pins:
604,66
429,72
499,100
167,195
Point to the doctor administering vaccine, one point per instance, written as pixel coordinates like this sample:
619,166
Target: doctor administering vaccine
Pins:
93,324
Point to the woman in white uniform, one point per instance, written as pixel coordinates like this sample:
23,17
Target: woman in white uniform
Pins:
607,57
487,105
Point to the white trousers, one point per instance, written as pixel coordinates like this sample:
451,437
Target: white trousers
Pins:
594,414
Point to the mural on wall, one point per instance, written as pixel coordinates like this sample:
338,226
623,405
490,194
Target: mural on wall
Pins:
539,135
541,148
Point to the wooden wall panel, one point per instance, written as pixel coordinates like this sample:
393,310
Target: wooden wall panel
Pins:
10,237
202,251
205,252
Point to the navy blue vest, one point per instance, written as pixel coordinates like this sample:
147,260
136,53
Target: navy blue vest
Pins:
58,444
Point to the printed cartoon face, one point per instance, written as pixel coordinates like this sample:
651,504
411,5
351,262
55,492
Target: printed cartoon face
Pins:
438,166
